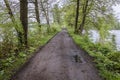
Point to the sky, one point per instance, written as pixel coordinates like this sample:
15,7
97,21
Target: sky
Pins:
116,10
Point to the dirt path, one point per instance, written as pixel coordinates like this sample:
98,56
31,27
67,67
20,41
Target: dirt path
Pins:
56,61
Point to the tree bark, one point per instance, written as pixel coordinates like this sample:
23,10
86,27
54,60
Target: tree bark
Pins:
24,19
77,16
84,12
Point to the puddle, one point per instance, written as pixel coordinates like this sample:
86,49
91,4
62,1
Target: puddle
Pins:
77,59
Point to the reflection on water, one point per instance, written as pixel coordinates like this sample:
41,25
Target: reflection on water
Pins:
95,36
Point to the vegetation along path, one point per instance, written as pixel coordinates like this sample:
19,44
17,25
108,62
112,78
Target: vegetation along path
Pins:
60,59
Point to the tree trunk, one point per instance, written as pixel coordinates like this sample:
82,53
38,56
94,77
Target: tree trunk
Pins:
84,12
82,24
37,14
77,15
19,32
24,20
46,16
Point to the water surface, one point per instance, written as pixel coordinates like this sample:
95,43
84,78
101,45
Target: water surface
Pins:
95,37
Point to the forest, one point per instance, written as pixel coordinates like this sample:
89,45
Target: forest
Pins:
27,25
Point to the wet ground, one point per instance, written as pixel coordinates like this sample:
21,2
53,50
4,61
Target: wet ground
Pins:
60,59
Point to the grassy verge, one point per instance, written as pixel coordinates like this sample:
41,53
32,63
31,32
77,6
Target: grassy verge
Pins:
9,65
107,60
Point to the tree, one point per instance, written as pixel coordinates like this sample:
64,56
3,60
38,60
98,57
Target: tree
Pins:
18,30
76,18
69,14
37,13
24,20
84,14
44,6
56,14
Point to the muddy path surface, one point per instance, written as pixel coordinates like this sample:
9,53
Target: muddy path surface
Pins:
57,61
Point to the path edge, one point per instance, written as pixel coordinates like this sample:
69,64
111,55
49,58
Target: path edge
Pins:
87,55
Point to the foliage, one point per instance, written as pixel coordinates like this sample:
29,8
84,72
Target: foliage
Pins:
69,14
11,58
56,14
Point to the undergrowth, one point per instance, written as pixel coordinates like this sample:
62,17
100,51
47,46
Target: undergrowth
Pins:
10,62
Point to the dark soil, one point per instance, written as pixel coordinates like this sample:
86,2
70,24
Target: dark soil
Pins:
60,59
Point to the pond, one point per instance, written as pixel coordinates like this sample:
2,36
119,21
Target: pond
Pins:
95,36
